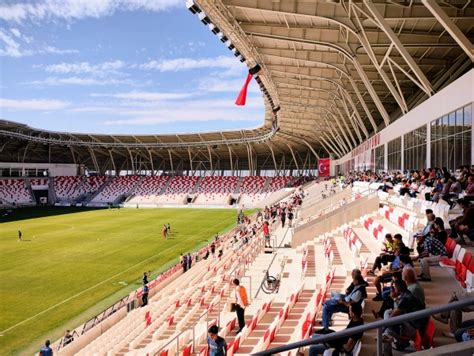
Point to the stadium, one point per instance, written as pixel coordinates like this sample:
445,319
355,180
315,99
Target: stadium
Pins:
341,225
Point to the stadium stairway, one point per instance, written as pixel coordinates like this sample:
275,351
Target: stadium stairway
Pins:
239,184
197,185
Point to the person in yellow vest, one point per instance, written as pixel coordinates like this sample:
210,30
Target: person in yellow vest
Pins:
241,302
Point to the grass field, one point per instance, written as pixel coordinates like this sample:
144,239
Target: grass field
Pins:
73,263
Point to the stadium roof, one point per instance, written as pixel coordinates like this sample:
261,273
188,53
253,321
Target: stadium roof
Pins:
338,70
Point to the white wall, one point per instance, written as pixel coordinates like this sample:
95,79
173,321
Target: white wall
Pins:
55,169
454,96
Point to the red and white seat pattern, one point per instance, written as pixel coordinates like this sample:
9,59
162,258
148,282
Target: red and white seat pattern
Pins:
377,230
149,189
115,188
67,187
225,185
39,183
92,184
404,220
14,191
181,185
278,183
252,185
353,240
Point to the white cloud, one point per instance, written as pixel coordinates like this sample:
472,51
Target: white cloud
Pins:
146,96
12,48
75,80
85,67
51,10
33,104
218,85
54,50
16,32
180,64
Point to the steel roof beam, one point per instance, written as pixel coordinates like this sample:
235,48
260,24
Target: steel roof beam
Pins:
451,27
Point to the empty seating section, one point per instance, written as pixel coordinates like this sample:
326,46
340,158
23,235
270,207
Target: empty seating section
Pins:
181,185
252,185
70,188
14,191
115,188
67,187
278,183
215,190
148,190
223,185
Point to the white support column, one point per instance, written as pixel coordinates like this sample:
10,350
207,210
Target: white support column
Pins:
428,145
451,27
385,157
402,152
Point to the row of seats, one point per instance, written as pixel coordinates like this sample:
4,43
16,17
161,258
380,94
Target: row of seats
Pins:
69,188
404,220
14,191
115,188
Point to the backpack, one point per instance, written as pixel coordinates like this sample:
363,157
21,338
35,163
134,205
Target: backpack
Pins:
243,295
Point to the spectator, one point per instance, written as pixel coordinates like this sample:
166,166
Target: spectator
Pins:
463,226
405,303
283,217
189,261
184,263
438,230
433,250
465,332
426,230
413,286
46,350
339,303
402,261
454,317
344,345
241,302
206,256
216,345
145,295
67,338
290,217
387,255
213,249
469,191
386,297
145,278
266,233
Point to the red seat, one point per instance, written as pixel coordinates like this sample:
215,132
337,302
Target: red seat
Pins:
470,267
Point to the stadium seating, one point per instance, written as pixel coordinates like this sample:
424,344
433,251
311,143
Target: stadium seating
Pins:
70,188
149,189
278,183
115,188
178,189
14,191
215,190
39,183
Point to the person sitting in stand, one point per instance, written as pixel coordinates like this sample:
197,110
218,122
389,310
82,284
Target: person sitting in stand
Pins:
405,303
433,250
387,255
343,345
340,303
402,260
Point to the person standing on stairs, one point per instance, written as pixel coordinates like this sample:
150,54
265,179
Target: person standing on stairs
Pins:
241,302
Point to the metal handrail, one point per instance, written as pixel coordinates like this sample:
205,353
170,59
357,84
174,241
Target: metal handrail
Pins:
379,325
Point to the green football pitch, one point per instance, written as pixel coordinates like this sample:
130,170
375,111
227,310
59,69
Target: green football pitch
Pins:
73,263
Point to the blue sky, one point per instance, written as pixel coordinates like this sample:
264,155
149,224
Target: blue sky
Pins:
122,66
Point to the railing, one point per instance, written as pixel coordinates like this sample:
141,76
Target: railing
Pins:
379,325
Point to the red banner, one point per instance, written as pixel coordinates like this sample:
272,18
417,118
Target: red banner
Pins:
323,167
